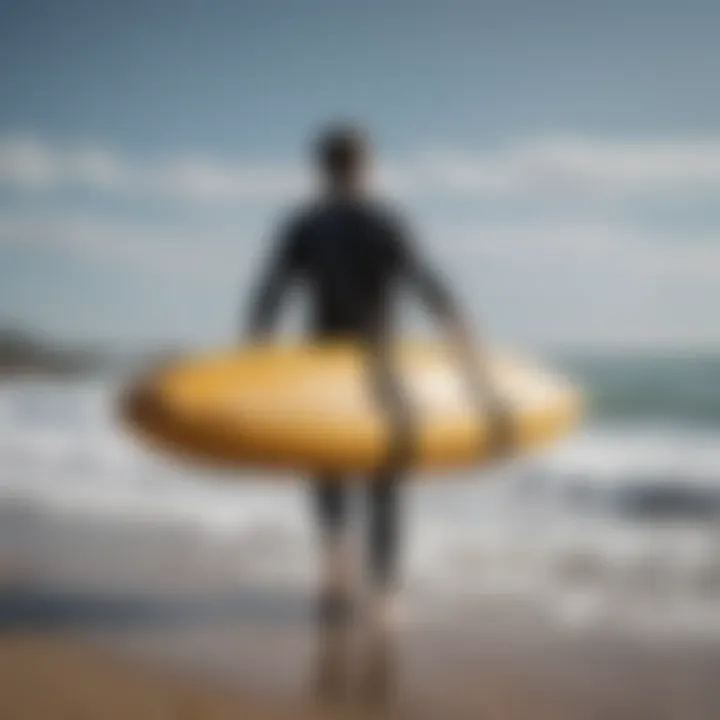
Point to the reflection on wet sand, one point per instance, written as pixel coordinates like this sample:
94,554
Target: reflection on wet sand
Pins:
255,654
371,684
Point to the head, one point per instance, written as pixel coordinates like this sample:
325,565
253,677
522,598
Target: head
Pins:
342,156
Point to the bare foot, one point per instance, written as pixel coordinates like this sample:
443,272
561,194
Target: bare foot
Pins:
378,681
338,583
386,614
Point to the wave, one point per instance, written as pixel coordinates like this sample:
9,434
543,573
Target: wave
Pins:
673,389
604,509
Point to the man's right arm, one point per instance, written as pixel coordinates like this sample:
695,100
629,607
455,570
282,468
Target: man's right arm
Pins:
278,276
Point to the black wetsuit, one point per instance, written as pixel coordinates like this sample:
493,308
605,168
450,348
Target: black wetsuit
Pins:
351,256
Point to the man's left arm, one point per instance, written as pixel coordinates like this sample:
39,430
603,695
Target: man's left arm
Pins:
472,356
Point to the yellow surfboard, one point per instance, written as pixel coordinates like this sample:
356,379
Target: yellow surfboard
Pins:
313,407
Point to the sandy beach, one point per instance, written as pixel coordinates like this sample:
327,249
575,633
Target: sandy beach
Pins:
127,590
67,656
108,621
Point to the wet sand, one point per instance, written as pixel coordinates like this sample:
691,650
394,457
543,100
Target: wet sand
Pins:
479,664
176,644
54,678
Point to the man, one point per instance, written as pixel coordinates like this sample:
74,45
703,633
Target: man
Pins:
352,253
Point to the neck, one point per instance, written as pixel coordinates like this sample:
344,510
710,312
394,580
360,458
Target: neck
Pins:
345,191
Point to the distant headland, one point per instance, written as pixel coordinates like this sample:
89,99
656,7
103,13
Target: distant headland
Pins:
26,353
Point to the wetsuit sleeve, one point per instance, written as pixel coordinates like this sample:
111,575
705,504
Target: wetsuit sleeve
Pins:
469,352
282,270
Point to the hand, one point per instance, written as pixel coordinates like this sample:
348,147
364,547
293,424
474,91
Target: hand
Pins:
494,412
500,438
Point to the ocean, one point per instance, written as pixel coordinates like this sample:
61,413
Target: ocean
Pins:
618,524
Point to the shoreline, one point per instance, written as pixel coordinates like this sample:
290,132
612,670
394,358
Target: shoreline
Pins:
483,664
155,629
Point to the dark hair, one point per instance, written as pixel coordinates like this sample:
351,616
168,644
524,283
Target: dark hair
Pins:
340,150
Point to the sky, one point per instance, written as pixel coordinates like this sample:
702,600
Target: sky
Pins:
560,161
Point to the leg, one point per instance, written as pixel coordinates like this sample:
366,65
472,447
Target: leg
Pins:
383,548
331,508
378,678
331,669
384,501
330,504
384,487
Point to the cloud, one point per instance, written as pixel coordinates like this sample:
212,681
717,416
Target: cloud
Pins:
553,251
204,252
564,166
27,164
593,283
576,165
550,281
621,246
210,246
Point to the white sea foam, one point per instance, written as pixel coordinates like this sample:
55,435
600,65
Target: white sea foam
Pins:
572,529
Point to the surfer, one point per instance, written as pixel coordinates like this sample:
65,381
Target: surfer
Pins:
351,253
